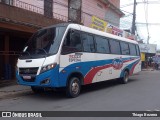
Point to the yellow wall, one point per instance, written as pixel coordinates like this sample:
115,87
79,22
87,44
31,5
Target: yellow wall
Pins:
142,56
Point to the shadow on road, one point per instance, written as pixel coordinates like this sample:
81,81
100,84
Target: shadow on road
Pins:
60,94
103,85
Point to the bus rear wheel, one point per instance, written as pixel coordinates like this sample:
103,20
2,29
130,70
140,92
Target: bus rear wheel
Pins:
73,87
125,77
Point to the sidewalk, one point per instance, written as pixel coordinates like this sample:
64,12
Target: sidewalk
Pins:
4,83
149,69
13,90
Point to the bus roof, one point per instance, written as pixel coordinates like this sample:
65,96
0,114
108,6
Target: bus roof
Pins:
97,32
93,31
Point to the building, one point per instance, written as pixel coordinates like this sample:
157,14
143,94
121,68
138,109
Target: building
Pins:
107,10
19,19
147,52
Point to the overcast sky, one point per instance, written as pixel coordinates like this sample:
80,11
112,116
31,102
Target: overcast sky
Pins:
153,17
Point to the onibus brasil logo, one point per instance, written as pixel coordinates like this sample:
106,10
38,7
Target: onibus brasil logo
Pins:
117,63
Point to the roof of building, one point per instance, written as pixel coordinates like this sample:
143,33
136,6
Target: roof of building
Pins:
113,7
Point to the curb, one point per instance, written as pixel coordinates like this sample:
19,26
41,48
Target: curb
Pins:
14,93
147,69
4,83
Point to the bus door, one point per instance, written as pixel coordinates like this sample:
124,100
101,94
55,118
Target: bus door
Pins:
88,58
78,54
71,49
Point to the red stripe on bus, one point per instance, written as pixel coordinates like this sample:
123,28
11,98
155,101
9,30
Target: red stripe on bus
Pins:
89,77
133,67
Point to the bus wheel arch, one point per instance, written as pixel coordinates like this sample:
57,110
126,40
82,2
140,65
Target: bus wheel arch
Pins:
125,77
73,86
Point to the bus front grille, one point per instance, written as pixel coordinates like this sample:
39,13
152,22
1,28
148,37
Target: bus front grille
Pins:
26,71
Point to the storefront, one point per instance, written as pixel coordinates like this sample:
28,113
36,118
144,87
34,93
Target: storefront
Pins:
147,52
11,44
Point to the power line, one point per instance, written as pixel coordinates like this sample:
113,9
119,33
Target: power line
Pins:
147,23
147,2
146,17
126,5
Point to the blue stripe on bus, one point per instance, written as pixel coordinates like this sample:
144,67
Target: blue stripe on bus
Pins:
59,79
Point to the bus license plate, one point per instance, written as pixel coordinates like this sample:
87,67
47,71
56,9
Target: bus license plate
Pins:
27,77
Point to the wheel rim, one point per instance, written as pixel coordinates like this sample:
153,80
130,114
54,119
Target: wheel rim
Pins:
126,77
75,87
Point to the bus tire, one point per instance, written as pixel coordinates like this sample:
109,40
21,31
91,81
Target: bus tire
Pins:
124,79
73,87
37,89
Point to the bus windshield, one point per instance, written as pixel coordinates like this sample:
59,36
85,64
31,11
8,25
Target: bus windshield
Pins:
44,42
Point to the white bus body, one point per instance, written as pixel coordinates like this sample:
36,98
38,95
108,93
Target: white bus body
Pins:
71,55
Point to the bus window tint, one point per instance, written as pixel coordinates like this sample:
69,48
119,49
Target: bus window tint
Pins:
124,48
132,48
88,43
102,45
114,47
72,43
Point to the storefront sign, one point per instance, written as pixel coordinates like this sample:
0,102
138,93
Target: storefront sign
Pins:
98,24
114,30
102,25
129,35
148,48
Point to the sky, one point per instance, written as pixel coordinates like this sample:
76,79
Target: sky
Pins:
152,17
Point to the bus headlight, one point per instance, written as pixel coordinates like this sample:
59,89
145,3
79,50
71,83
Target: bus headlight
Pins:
48,67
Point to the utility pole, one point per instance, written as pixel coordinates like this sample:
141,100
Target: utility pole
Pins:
148,39
134,18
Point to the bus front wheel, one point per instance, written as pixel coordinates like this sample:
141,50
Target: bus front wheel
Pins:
73,87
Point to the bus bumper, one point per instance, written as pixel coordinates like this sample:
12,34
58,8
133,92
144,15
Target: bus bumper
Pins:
46,79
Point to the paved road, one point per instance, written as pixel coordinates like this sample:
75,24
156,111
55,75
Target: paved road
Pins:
142,93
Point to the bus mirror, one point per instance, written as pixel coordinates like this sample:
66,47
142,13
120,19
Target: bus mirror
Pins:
72,32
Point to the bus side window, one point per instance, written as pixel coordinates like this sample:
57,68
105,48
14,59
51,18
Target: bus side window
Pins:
124,48
115,46
88,43
132,48
138,52
102,45
72,43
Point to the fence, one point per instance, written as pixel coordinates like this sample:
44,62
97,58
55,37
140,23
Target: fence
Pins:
33,8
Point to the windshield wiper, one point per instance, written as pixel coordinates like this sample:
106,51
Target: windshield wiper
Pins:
42,50
26,52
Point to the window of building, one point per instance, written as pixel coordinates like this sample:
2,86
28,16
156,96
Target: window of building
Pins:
124,48
114,46
132,48
112,17
102,45
88,42
9,2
